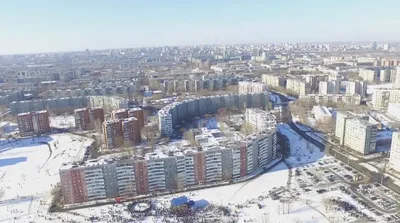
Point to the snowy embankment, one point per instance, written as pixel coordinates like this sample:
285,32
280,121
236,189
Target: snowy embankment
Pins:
29,170
369,167
301,151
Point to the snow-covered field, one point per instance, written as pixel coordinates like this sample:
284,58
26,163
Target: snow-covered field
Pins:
302,152
28,171
62,122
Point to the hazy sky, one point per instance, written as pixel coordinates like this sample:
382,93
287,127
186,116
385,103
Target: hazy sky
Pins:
57,25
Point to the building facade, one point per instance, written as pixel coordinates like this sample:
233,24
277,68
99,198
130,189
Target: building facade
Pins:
85,118
246,87
260,120
176,112
33,123
394,160
166,169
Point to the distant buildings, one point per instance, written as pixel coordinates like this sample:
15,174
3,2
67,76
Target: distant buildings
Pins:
246,87
297,86
329,87
369,75
260,120
68,103
382,97
332,98
394,160
356,132
274,80
33,123
177,112
356,87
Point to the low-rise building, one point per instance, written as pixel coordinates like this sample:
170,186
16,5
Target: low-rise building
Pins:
322,114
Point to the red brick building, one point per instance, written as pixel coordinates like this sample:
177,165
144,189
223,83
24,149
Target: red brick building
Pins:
32,123
86,117
138,114
142,178
120,114
113,134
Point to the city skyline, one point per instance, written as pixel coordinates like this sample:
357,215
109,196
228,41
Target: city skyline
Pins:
47,26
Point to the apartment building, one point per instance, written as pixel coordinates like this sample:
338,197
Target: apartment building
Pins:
382,97
113,133
128,113
260,120
273,80
332,98
394,160
174,113
360,135
329,87
166,168
123,131
33,123
356,87
246,87
369,75
396,83
85,118
297,86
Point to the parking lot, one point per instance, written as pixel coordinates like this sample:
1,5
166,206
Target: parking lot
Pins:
371,201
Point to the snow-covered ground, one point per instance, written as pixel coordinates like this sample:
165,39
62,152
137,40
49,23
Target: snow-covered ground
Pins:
62,122
369,167
302,152
372,88
28,171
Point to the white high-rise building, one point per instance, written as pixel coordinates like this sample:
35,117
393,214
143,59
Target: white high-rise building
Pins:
360,135
394,160
396,83
260,120
329,87
381,98
356,87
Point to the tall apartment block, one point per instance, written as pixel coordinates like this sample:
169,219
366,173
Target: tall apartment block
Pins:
113,134
31,123
394,160
356,132
127,113
329,87
166,169
356,87
260,120
86,117
382,97
118,132
360,136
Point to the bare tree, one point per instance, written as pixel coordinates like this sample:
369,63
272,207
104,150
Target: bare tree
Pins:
246,128
327,202
188,135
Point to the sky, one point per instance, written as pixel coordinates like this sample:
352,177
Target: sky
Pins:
32,26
